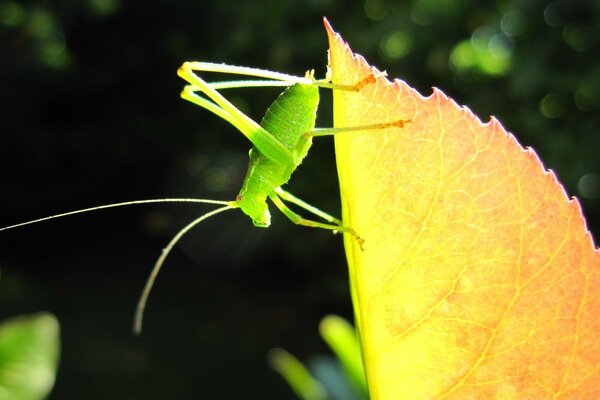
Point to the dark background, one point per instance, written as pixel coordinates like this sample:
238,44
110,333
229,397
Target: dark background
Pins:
91,114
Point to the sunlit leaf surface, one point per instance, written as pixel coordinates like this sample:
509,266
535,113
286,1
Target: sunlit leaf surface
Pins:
479,279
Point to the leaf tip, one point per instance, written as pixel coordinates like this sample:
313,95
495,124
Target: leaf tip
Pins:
332,35
328,27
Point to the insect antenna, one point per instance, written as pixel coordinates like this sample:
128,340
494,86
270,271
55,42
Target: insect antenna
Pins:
139,311
114,205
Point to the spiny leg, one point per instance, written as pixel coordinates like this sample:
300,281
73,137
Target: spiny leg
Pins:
189,93
298,220
333,131
269,145
287,196
246,71
278,76
369,79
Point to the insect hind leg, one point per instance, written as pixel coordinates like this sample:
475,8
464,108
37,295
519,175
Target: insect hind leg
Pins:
246,71
334,225
290,198
218,104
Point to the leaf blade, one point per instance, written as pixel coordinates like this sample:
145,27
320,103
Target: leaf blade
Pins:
475,258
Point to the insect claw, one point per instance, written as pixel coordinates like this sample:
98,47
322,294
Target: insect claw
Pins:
310,74
358,239
351,231
371,78
360,243
400,123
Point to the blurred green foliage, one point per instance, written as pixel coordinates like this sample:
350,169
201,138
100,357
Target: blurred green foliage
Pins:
325,377
29,352
91,115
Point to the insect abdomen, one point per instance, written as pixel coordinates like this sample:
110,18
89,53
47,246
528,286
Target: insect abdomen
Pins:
291,115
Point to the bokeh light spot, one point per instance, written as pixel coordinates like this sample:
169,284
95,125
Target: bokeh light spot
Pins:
487,51
421,13
463,55
513,23
396,45
104,7
376,10
588,186
553,14
580,38
11,13
553,105
587,96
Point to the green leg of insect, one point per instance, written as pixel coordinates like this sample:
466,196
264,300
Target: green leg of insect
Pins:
263,140
287,196
334,224
298,220
331,131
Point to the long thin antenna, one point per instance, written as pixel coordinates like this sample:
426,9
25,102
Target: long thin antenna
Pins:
139,311
126,203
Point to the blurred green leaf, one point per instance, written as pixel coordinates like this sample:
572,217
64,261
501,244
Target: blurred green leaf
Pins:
340,378
342,338
29,351
328,370
296,375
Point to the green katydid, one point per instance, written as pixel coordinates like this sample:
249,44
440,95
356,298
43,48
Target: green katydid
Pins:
280,142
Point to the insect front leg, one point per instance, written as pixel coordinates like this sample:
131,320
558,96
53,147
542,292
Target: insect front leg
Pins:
334,131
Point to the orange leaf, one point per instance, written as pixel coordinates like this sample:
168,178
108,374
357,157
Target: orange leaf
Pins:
479,279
